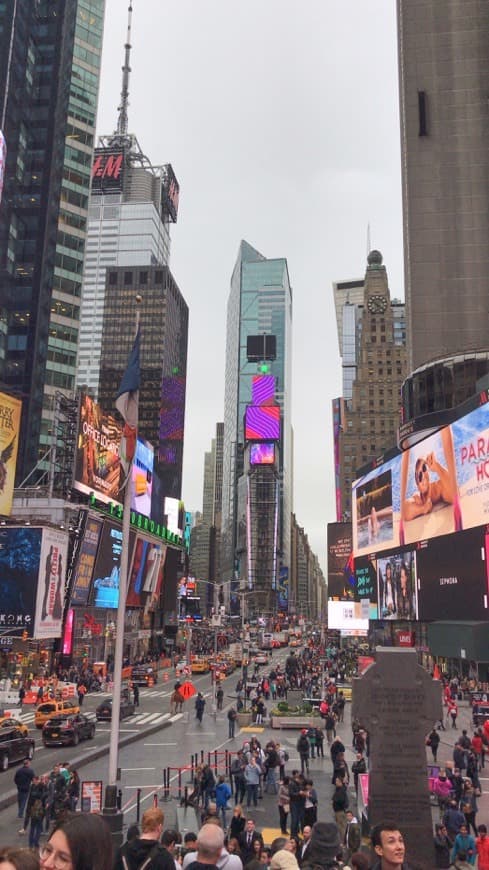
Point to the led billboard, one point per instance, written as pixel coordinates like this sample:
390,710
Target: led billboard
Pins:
51,584
108,170
97,465
142,478
262,453
283,589
143,574
346,616
262,423
86,560
10,411
106,573
341,575
437,487
20,553
170,193
175,515
263,390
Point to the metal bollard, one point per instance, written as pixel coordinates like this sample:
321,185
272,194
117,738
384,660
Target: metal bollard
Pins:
138,805
179,783
185,796
201,756
119,799
155,800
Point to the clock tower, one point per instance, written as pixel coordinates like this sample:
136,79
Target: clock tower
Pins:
370,416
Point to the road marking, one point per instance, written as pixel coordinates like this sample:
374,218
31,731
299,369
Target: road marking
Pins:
138,768
158,744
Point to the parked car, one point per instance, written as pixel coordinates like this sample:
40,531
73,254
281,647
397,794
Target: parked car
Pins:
11,722
104,710
261,658
144,675
14,746
68,730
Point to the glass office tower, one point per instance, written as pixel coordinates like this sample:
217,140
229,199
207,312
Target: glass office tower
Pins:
49,79
260,302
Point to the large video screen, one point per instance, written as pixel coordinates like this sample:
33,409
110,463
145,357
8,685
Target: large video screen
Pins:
341,574
97,465
20,555
437,487
262,423
107,570
263,390
262,453
142,478
86,561
346,615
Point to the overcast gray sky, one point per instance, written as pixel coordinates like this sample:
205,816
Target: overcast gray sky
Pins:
280,118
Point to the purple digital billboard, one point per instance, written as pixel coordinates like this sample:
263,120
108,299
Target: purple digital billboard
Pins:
262,453
263,390
262,423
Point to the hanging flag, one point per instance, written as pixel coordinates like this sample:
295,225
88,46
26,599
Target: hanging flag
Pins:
127,401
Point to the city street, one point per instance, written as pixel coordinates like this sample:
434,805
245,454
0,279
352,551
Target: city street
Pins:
162,741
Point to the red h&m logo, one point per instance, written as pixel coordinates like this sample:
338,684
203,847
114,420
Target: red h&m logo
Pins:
107,165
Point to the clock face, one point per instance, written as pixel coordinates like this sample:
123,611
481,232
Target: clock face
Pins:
377,304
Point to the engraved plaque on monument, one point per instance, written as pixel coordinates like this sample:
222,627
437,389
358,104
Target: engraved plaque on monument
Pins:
397,701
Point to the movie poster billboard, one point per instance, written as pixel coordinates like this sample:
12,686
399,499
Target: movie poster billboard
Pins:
341,576
84,570
20,552
97,465
51,584
143,574
437,487
10,411
283,589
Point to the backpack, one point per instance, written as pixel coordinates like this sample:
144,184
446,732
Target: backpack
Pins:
147,861
37,810
286,755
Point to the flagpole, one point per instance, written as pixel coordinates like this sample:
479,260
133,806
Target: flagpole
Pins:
111,791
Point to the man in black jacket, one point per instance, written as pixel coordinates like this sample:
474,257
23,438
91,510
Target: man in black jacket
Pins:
246,840
147,846
303,748
23,779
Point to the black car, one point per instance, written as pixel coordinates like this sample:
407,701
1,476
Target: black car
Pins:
104,710
144,675
68,730
14,746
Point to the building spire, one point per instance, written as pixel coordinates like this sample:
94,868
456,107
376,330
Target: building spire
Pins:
122,122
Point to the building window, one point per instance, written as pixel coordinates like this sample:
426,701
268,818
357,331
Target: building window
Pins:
127,277
143,277
112,278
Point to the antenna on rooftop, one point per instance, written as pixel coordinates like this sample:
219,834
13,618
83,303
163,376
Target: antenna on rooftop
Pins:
122,122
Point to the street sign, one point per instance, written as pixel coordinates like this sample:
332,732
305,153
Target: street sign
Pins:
187,690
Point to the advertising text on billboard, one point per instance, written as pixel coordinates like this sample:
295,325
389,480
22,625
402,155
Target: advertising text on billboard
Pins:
20,553
86,561
51,584
97,465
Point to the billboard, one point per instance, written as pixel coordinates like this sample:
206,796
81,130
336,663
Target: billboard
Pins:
346,616
437,487
3,159
263,390
262,423
341,575
142,478
175,515
283,589
97,465
20,553
51,584
144,571
107,570
170,193
108,170
262,453
84,570
10,411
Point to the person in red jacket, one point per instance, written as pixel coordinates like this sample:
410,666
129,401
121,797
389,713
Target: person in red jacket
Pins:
478,747
453,712
482,846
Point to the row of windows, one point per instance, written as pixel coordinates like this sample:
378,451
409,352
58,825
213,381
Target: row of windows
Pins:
129,280
63,358
60,379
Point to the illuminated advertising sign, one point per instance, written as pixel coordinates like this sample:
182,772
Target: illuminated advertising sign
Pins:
341,576
337,423
3,160
439,486
170,193
67,646
142,478
262,423
283,589
20,553
51,585
106,574
175,514
86,561
143,575
262,454
97,465
10,411
108,170
346,616
263,390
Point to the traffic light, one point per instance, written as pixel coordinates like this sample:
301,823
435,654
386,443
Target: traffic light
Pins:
25,634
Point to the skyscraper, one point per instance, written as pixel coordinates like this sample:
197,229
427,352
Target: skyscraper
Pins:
132,204
49,78
259,304
366,417
444,83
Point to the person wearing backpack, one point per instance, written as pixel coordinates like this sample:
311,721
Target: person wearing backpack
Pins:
232,716
35,811
145,852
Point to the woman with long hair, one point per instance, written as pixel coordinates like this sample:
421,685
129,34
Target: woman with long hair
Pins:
238,822
78,842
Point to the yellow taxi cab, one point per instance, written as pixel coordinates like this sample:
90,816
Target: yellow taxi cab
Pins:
12,722
53,707
200,665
